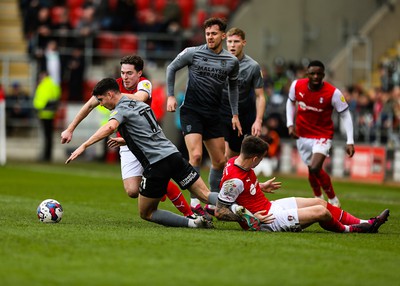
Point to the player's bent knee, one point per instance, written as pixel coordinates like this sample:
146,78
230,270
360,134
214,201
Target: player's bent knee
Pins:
322,213
132,193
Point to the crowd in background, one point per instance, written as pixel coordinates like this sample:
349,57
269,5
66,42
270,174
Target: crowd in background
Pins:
376,111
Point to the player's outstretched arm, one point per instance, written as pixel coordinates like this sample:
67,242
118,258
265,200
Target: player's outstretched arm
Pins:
270,186
66,135
103,132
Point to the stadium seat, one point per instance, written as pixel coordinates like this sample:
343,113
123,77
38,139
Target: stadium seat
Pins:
159,5
201,17
56,13
106,43
142,4
187,8
74,3
75,15
128,43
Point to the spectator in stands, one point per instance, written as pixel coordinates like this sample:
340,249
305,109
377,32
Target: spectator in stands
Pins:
75,75
87,25
18,106
62,30
41,31
124,18
47,96
51,61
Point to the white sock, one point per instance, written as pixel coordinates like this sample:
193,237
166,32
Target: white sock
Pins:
194,202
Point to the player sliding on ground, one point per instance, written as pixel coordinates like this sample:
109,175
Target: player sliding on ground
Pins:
160,159
241,196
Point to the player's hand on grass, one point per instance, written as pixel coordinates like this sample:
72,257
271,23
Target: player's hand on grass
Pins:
264,218
270,186
75,154
116,142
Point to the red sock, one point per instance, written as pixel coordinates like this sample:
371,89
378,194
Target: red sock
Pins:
333,225
177,198
342,216
312,178
326,184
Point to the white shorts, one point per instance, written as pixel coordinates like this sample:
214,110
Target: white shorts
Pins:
286,217
130,165
308,146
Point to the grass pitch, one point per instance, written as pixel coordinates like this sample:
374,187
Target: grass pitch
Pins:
102,241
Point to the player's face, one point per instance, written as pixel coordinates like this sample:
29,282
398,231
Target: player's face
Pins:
105,101
235,44
214,38
315,76
130,76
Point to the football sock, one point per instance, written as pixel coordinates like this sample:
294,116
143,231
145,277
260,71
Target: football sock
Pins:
326,184
177,198
342,216
312,178
333,225
168,219
212,198
192,196
214,179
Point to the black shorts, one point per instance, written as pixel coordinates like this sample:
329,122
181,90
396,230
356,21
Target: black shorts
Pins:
231,136
208,126
155,178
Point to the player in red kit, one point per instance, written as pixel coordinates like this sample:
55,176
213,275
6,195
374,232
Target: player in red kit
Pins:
241,198
133,84
313,128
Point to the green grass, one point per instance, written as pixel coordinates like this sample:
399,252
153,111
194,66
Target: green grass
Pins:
102,241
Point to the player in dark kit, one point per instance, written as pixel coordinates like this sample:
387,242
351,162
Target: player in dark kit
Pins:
209,66
160,158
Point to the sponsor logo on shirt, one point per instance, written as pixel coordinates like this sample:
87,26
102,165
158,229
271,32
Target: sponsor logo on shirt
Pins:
303,106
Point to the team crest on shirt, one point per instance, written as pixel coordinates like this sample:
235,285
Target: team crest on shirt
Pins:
321,100
342,99
188,128
113,113
223,63
228,188
146,85
253,189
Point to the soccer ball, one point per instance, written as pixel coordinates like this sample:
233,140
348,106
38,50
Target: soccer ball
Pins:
50,211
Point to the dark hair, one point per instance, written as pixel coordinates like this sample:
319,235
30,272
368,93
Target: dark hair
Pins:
316,64
133,60
253,146
106,84
237,32
221,23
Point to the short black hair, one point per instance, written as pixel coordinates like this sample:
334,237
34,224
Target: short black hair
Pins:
253,146
106,84
221,23
316,63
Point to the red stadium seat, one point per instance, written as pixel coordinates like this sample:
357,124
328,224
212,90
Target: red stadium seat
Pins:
75,15
142,4
106,43
56,13
74,3
128,43
201,17
159,5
